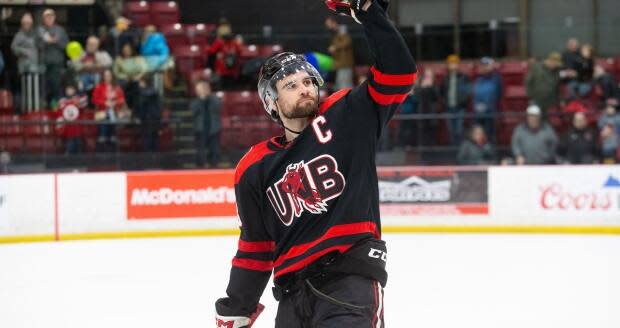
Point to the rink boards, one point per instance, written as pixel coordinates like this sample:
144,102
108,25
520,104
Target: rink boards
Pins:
535,199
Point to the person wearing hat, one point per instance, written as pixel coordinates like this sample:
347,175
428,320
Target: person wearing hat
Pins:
542,82
534,141
487,92
455,92
55,40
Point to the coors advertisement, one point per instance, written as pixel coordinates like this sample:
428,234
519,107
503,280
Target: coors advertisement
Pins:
433,191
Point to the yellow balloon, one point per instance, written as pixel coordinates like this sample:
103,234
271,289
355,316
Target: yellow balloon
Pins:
74,50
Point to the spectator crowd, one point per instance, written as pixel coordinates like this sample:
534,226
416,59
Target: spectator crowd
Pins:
571,114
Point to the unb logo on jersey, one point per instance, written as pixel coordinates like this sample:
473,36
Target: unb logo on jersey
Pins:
306,187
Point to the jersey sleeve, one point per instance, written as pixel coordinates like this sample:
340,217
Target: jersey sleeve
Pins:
253,262
393,74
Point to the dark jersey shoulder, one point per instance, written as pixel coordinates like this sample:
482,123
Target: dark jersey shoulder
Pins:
253,156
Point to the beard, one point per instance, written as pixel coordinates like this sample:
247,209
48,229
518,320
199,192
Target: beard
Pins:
305,107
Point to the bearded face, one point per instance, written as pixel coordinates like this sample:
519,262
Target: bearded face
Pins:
298,96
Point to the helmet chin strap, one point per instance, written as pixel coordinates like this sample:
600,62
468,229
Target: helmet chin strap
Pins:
289,130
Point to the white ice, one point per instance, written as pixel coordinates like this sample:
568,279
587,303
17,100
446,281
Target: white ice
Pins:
477,281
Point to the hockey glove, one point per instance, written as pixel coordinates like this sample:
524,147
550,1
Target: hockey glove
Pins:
352,7
346,7
238,321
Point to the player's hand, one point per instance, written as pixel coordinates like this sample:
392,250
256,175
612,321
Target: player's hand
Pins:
349,7
238,321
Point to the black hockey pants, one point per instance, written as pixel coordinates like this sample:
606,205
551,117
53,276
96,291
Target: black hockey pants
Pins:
340,302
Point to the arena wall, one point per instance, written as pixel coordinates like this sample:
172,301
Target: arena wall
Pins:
553,199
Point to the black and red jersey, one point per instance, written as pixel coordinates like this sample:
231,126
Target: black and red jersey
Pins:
319,193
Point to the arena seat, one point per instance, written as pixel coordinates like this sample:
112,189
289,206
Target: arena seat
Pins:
515,99
40,136
11,138
138,12
513,72
175,35
200,34
249,52
189,58
164,13
6,102
267,50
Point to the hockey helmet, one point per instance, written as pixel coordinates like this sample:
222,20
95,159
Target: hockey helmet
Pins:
276,68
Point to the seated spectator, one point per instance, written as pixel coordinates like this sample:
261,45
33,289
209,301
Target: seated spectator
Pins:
91,63
154,48
487,93
579,143
610,144
70,109
206,108
476,149
607,83
148,111
128,69
226,51
542,83
122,33
582,85
455,91
107,89
534,141
610,116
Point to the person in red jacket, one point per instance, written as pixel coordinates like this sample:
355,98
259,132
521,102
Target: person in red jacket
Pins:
109,99
226,52
70,110
108,89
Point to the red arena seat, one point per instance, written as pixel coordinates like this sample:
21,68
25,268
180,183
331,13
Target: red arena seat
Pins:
175,35
165,13
138,12
6,102
189,58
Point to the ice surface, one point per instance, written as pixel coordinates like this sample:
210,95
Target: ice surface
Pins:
478,281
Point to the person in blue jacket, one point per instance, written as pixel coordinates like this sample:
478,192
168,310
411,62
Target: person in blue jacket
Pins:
487,92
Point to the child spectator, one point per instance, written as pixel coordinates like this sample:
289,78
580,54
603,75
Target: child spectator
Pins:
70,110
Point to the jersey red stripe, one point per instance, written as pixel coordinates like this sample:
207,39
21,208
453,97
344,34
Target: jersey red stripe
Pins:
393,79
250,264
327,104
335,231
256,246
301,264
386,100
256,153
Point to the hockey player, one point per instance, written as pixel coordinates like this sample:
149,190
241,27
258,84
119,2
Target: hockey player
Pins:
308,200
